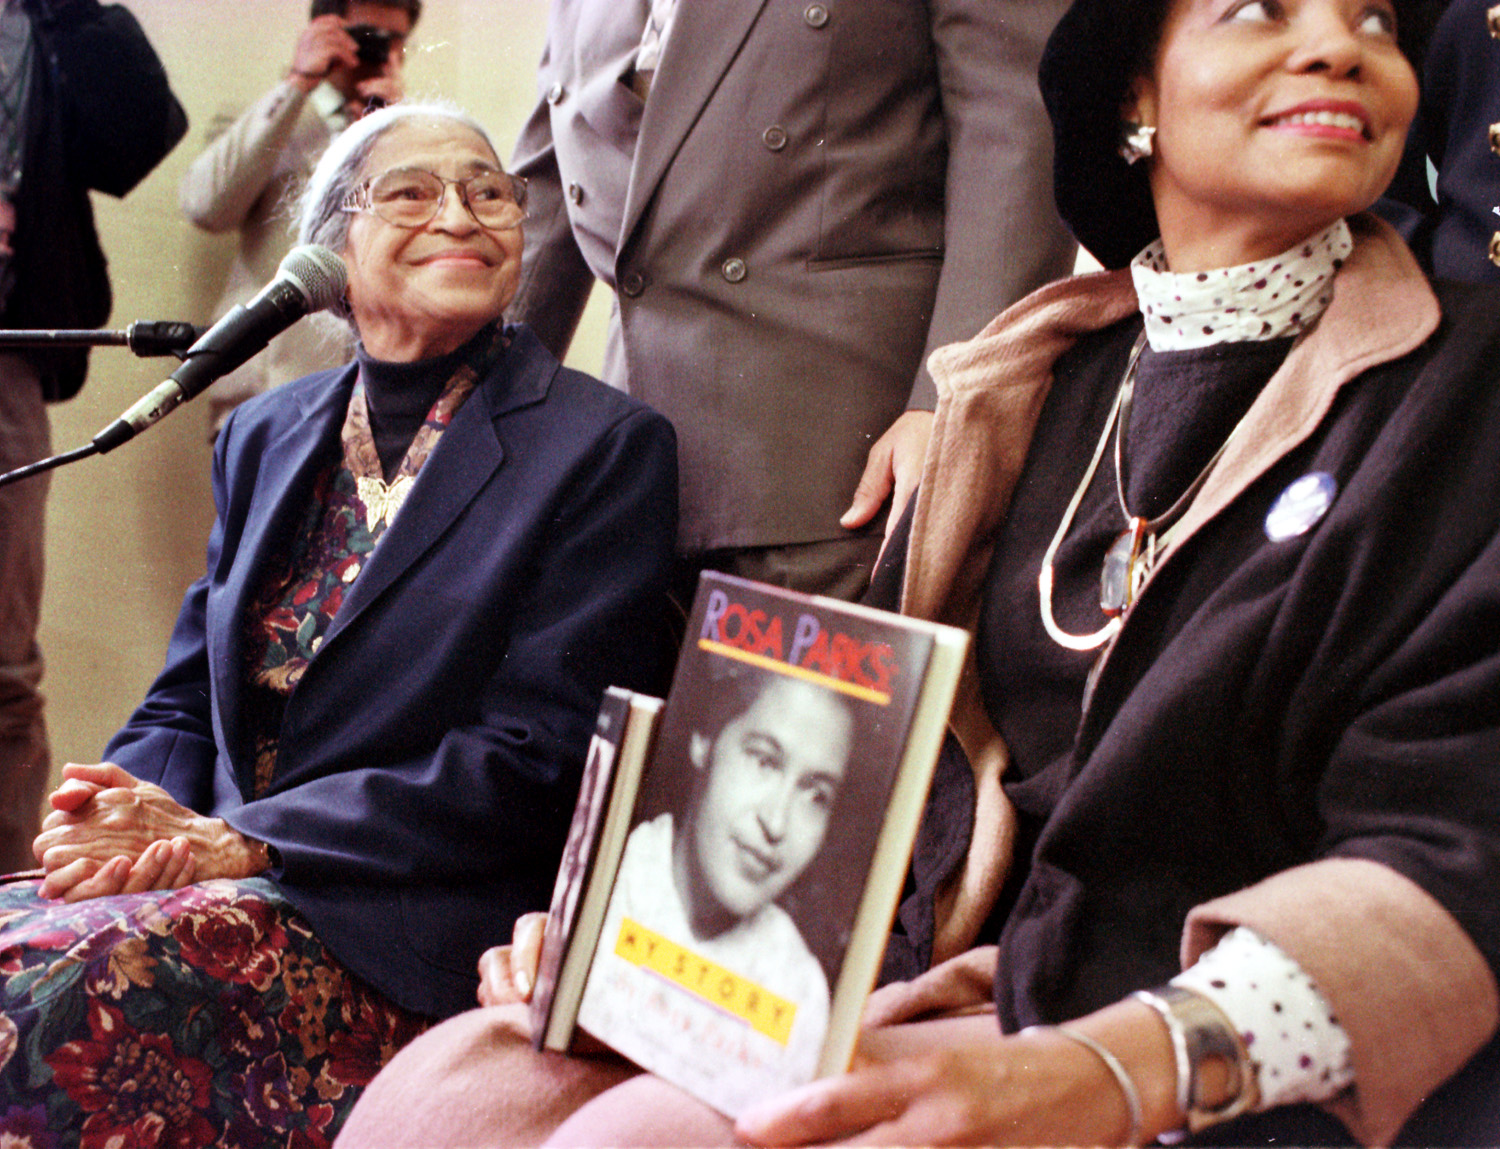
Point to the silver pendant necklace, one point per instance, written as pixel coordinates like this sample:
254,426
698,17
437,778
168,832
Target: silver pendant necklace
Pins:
1134,553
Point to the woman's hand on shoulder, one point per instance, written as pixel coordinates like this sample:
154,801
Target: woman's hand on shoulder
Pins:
507,974
110,833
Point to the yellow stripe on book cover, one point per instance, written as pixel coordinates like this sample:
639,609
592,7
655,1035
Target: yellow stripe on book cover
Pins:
853,689
753,1004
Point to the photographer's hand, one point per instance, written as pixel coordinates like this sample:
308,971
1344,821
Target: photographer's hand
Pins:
323,46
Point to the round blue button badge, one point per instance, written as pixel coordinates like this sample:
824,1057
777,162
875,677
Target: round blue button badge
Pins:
1300,506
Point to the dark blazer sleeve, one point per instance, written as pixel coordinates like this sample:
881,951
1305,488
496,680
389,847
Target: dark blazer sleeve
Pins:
169,739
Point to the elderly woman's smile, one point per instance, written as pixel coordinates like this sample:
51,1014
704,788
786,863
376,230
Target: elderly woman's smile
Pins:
458,256
423,289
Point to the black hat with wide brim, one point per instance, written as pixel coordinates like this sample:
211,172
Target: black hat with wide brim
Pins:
1095,52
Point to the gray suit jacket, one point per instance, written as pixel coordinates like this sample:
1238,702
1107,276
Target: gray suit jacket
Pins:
815,195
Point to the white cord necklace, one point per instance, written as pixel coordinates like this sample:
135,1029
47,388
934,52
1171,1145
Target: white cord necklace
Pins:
1045,577
1131,557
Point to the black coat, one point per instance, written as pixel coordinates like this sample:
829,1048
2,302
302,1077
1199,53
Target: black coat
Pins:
100,117
1276,715
1270,704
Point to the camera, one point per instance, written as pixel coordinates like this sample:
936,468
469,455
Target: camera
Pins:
372,44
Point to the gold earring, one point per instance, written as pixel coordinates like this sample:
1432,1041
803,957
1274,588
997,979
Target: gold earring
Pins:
1137,143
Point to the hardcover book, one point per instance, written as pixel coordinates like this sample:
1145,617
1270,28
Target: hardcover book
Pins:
606,797
750,889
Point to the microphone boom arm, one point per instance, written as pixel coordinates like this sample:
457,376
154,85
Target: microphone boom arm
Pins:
309,279
145,337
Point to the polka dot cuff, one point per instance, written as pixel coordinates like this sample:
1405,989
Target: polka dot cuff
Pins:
1268,299
1300,1051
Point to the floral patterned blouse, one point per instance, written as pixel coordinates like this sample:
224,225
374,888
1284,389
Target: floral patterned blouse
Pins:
352,507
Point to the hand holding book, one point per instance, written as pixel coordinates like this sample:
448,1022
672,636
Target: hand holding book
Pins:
735,858
507,974
959,1080
714,815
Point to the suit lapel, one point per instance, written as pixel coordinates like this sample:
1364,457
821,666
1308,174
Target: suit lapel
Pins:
705,38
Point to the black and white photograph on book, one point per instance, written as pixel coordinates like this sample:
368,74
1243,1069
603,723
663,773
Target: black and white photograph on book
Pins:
754,830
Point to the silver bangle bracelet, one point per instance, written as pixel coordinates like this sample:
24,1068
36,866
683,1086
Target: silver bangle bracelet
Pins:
1199,1032
1115,1067
1178,1038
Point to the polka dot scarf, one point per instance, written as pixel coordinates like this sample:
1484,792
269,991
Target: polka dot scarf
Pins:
1267,299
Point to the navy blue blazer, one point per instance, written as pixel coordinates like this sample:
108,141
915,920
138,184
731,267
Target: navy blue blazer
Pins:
430,755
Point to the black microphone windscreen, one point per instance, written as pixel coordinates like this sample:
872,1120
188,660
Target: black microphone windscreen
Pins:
309,279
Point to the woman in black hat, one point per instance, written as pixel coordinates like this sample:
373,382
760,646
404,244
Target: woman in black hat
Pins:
1236,626
1225,524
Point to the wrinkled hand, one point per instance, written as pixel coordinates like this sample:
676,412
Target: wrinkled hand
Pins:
507,974
322,47
892,468
959,1082
166,865
111,833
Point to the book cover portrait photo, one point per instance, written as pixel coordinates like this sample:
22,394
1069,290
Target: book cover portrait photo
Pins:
753,835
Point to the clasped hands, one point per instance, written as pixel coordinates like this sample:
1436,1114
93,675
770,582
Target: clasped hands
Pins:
955,1080
111,833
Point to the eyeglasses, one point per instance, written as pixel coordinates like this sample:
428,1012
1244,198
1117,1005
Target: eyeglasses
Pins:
412,197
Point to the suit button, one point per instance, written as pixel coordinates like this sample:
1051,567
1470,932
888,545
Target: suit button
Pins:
1495,138
734,269
774,138
816,15
1492,17
555,93
575,193
632,284
1495,249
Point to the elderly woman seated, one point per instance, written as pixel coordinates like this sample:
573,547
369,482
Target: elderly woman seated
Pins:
358,765
1233,843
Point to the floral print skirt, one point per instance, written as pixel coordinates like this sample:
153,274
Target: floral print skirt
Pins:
208,1015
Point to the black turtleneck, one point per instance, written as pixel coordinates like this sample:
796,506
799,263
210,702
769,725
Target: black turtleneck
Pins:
399,395
1186,404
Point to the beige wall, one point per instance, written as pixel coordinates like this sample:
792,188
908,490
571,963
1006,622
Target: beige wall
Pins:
126,531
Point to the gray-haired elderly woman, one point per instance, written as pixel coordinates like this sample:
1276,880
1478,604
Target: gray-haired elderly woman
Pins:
359,762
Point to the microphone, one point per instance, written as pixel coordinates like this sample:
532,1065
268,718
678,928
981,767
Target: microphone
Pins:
309,279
